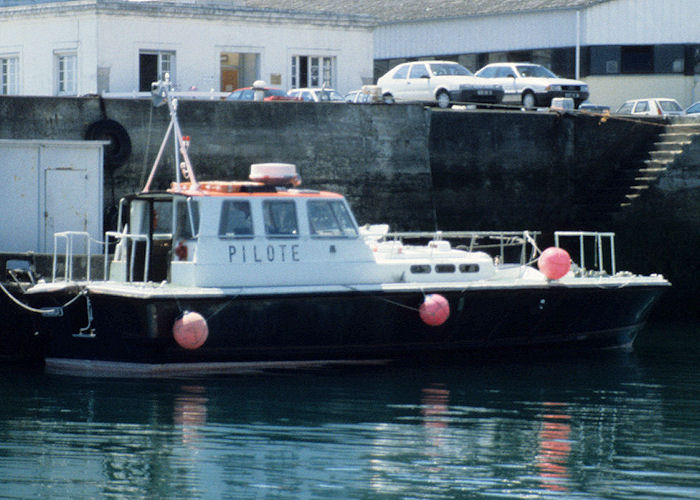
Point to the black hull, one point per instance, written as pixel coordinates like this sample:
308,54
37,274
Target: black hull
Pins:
19,340
347,326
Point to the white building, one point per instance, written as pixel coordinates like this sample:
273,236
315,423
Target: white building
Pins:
623,49
79,47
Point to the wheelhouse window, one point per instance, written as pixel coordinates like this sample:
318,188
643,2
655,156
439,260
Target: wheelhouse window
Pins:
162,219
153,65
330,218
9,75
186,220
66,69
280,218
235,219
313,71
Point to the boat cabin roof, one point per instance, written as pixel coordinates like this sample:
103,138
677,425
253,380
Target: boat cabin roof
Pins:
244,188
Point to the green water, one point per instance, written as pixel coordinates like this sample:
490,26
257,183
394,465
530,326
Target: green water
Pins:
623,425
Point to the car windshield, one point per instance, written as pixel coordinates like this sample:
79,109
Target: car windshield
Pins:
534,71
669,106
329,95
275,92
441,69
695,108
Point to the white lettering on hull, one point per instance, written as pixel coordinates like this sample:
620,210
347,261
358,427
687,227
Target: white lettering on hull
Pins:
281,252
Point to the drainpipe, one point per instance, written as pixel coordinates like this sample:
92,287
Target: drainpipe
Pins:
578,44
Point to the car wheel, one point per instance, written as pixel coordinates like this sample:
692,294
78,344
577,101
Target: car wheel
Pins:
529,100
443,99
388,99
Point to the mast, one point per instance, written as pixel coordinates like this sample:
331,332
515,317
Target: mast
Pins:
161,94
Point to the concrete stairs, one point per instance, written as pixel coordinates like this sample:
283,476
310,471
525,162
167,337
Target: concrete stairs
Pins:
644,169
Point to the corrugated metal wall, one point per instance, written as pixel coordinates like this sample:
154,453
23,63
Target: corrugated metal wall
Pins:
617,22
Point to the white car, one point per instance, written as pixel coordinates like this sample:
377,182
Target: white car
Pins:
693,110
437,82
656,106
316,95
532,85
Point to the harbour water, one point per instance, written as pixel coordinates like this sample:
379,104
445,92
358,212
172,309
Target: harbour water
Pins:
613,425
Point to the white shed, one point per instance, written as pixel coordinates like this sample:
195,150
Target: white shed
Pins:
49,186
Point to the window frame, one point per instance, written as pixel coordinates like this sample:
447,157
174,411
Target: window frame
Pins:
9,74
66,76
313,70
224,217
268,214
165,64
332,207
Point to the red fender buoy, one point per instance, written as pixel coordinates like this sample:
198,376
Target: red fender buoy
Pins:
554,263
434,310
190,330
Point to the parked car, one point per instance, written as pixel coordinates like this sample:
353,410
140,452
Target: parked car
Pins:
248,94
594,108
316,95
532,85
657,106
437,82
693,110
368,94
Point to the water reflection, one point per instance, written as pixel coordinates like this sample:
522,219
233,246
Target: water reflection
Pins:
554,447
596,427
190,412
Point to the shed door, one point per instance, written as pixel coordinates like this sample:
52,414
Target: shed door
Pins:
66,207
19,198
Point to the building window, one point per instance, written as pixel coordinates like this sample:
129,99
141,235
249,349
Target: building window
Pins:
66,77
313,71
669,59
692,60
605,60
637,59
9,75
153,65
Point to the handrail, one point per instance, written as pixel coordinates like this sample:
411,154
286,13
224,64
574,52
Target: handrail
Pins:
505,239
130,238
598,242
69,237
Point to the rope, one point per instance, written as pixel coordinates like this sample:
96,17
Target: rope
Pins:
53,311
382,299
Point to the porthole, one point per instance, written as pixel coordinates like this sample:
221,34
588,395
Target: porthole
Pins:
469,268
420,268
444,268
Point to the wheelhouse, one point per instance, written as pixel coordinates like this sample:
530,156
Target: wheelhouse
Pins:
231,234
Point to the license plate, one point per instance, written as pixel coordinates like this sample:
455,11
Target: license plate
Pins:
483,92
571,94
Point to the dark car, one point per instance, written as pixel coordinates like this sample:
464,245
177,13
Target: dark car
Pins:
270,94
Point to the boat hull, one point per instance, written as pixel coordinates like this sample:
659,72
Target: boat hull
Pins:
349,326
19,340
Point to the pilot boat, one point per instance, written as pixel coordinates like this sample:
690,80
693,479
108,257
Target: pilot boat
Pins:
218,276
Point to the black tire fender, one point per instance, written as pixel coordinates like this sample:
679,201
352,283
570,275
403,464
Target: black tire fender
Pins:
117,152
